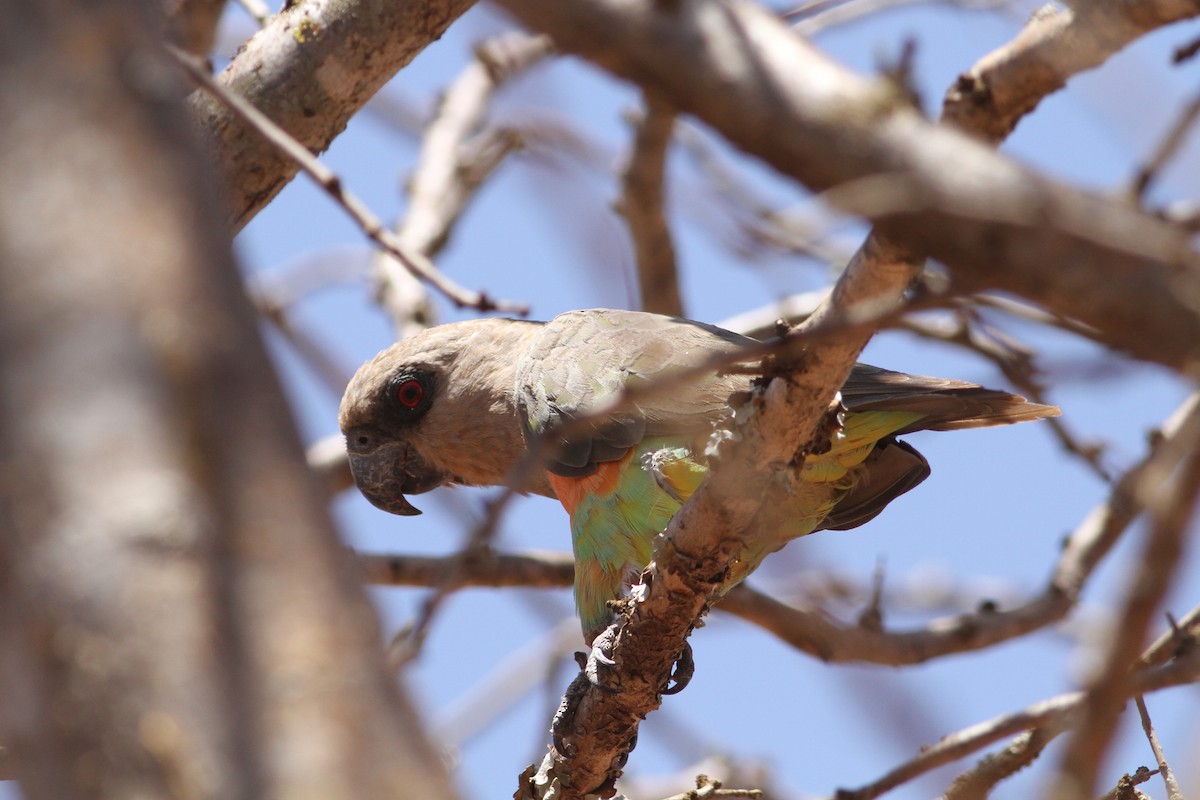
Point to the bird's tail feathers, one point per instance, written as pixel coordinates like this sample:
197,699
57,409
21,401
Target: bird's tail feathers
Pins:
943,404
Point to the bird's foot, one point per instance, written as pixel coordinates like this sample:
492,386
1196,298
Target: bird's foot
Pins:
828,432
563,724
599,656
681,675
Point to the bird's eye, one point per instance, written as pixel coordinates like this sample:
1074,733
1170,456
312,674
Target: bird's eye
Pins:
410,393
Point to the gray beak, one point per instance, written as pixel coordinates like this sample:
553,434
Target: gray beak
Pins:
386,473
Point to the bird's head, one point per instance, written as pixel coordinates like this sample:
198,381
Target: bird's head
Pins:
435,409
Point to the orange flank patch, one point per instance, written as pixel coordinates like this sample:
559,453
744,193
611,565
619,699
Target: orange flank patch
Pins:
600,483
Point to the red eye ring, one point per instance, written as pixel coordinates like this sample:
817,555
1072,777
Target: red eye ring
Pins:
410,393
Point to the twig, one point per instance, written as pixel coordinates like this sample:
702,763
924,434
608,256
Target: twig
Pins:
642,204
371,225
707,787
258,10
1170,500
1053,715
1124,788
1186,52
1181,635
1166,149
407,643
511,678
312,351
978,782
819,15
742,206
457,155
1016,363
327,459
1164,768
1057,42
484,567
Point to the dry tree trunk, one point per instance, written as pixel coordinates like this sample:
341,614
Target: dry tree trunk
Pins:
177,617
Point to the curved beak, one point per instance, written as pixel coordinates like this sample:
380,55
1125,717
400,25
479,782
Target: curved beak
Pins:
390,471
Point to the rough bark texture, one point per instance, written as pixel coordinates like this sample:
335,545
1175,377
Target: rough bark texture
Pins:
1058,42
310,69
177,617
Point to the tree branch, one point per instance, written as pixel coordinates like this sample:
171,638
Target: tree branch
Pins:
1171,501
415,262
457,154
310,69
643,205
1058,42
996,224
1051,717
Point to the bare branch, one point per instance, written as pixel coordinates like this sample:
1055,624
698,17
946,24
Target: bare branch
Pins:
1124,790
732,64
484,567
1049,716
1164,769
327,460
1171,502
643,205
312,67
978,782
1057,43
1167,148
707,787
457,155
818,15
370,224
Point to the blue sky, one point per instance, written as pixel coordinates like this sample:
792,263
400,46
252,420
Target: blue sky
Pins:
988,522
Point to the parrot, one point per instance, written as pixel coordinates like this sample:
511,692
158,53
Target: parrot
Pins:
462,403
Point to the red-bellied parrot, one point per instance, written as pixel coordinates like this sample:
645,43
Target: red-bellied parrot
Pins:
460,404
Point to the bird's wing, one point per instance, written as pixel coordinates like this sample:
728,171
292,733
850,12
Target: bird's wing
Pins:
581,361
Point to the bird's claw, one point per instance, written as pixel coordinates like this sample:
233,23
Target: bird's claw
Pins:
681,675
564,719
599,655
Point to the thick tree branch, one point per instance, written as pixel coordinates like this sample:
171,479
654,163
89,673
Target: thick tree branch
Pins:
177,617
309,70
1058,42
1135,279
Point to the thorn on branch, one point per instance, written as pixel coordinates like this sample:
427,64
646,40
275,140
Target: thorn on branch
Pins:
899,73
1186,52
872,616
